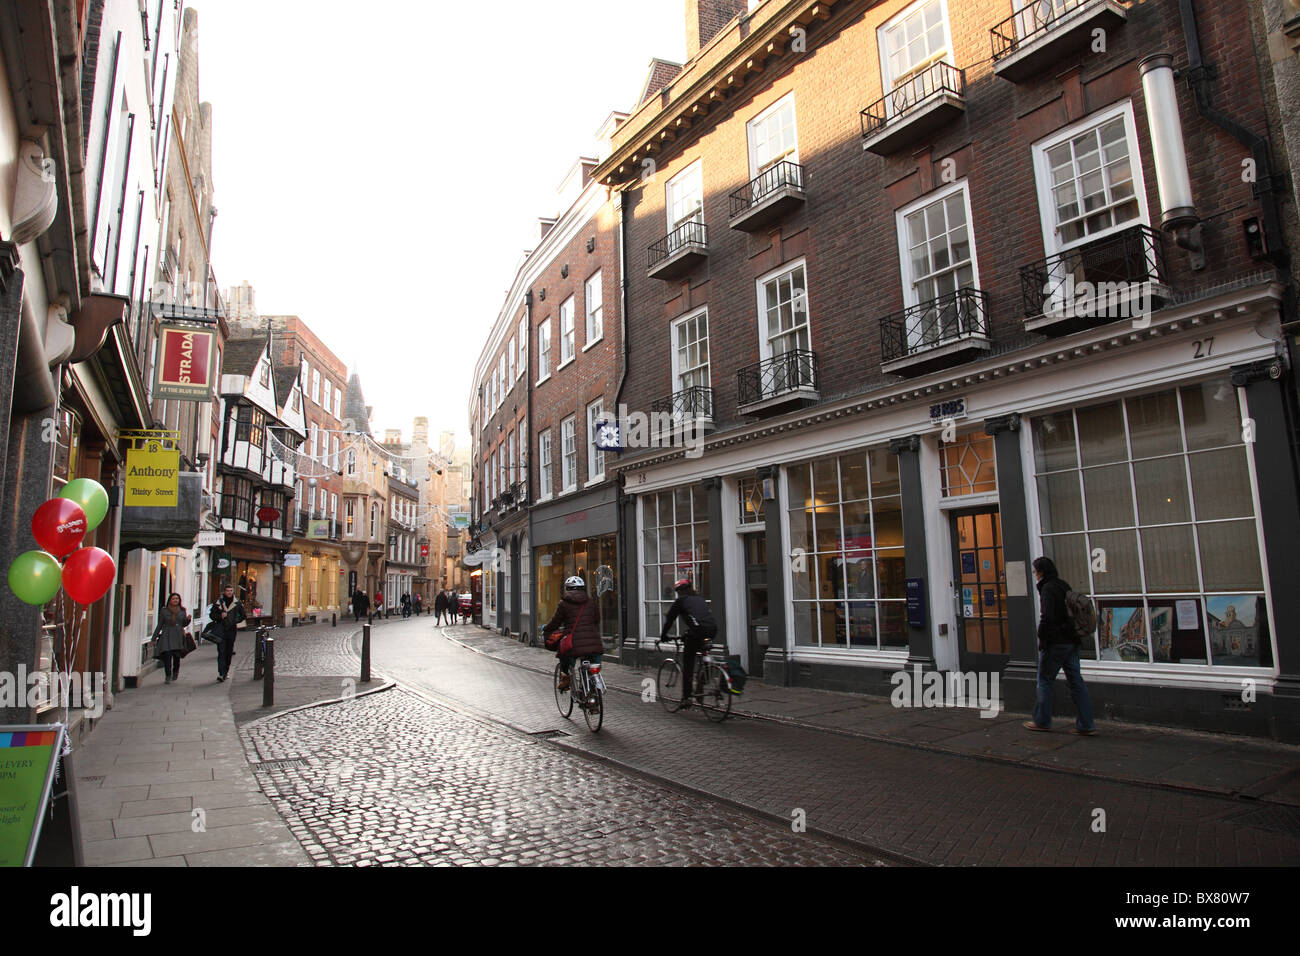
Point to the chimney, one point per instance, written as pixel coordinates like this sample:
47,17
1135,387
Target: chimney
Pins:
420,434
706,18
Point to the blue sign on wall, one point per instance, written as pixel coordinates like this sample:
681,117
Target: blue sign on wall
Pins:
968,562
916,602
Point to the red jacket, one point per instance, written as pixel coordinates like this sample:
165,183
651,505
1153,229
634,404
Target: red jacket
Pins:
579,615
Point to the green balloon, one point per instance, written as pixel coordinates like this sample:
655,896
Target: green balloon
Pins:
92,497
35,576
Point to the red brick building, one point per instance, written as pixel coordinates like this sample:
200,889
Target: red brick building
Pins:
952,286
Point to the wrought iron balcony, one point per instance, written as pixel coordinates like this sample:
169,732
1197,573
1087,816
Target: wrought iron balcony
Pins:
680,251
1115,277
768,197
689,404
1043,32
914,109
791,377
935,334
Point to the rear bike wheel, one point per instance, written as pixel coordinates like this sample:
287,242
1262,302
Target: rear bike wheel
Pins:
716,699
594,706
670,685
563,699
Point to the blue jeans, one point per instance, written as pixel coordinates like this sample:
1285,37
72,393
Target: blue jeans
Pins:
1050,662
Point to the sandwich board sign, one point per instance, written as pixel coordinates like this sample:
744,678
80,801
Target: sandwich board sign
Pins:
28,756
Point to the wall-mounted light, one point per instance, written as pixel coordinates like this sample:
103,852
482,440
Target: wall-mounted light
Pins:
564,271
591,244
542,295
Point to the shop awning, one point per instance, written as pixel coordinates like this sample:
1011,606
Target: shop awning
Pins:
156,529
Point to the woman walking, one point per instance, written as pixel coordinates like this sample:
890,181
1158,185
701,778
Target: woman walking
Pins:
171,637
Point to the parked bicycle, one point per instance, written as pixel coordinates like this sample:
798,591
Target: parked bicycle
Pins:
586,689
259,648
713,685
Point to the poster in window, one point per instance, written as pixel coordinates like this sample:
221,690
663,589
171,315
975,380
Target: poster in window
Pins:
1238,626
1122,630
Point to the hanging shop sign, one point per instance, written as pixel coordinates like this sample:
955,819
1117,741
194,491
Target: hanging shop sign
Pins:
293,560
186,363
28,755
268,515
152,475
211,539
318,529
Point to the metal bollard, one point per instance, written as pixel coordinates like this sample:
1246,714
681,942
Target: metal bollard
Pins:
336,620
365,654
268,681
258,661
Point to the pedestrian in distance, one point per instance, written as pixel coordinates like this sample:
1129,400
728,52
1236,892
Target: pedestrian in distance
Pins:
406,605
1058,648
419,604
700,629
579,616
229,615
379,604
170,634
360,604
439,607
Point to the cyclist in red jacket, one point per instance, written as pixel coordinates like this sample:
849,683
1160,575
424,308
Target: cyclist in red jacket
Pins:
578,615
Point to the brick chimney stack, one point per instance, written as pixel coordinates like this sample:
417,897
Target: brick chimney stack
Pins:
705,18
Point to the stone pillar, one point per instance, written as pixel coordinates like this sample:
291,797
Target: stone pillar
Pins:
777,666
1280,516
1022,624
630,565
718,584
920,643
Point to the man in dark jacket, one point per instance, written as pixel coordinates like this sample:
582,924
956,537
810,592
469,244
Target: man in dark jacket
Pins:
578,615
360,604
700,629
228,614
439,607
1058,647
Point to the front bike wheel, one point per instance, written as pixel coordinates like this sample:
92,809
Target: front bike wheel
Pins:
670,685
717,698
563,699
594,711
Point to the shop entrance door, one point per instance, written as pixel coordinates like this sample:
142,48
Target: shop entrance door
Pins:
980,590
756,610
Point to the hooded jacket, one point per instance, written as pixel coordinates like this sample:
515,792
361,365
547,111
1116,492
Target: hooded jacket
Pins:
579,615
1054,625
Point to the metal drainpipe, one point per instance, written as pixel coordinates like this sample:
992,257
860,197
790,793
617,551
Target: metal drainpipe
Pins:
624,558
528,375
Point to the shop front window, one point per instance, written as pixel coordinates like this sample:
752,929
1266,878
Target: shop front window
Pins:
1146,504
592,559
674,545
846,523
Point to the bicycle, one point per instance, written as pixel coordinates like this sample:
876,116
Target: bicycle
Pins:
587,687
713,687
259,649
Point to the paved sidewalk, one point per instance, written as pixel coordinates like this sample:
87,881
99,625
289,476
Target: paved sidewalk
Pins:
163,780
1218,764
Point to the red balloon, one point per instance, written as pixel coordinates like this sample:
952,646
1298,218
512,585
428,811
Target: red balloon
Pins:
88,574
59,525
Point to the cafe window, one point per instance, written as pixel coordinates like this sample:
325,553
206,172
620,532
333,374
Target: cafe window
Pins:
968,465
67,445
1146,504
846,531
674,545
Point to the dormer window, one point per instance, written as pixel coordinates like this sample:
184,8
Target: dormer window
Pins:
264,374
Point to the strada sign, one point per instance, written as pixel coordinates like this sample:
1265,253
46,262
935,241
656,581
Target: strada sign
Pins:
186,356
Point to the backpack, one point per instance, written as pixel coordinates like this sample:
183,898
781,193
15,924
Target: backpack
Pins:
1082,613
702,625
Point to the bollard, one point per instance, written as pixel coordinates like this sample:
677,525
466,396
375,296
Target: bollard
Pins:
336,619
268,681
258,661
365,654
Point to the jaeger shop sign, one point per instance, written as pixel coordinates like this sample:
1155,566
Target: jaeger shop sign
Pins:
186,356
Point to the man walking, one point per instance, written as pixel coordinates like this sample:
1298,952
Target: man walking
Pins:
360,604
228,614
1058,647
439,607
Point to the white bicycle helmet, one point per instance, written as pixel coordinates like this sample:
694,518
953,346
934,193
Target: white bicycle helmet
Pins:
575,583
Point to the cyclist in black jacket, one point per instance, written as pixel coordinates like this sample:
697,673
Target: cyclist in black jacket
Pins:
700,627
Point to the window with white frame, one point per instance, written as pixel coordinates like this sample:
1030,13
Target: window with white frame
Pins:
569,452
685,196
690,354
567,333
501,372
335,444
315,386
544,351
352,461
938,258
338,402
510,375
594,300
783,311
315,451
327,389
511,476
595,457
910,45
501,469
1090,180
773,140
521,336
544,462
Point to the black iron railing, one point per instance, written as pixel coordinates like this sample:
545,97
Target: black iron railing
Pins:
1034,20
693,233
1100,278
693,402
764,184
948,318
936,79
787,372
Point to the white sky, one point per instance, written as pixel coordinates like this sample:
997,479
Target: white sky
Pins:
380,167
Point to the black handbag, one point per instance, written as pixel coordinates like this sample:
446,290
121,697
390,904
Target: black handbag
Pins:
190,644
